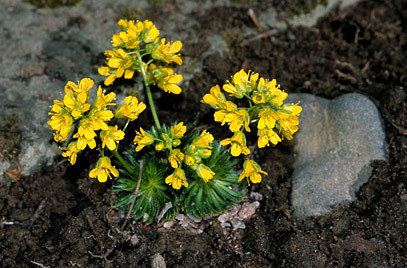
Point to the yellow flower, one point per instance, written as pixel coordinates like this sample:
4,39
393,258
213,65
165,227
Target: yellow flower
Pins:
110,137
277,96
269,91
229,107
82,88
203,140
82,142
118,64
125,39
267,135
170,83
177,131
216,99
77,105
131,108
98,119
252,171
261,94
177,179
238,119
285,120
204,172
159,146
227,111
87,128
61,121
289,120
199,149
103,170
102,100
168,52
237,144
142,139
76,96
165,78
242,83
150,33
71,152
134,32
267,119
86,134
189,160
175,158
204,153
129,36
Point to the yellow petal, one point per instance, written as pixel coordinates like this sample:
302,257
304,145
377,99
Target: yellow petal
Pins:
128,74
114,62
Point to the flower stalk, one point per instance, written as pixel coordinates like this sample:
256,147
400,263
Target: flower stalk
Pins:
125,164
148,92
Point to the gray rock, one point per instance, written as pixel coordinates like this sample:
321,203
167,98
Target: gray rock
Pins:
306,18
337,141
158,261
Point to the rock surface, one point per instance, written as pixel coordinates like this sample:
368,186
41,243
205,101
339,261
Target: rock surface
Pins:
337,141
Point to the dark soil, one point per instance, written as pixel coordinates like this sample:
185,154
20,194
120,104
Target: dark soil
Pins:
65,219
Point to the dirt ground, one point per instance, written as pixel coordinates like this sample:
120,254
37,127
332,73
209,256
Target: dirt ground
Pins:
67,219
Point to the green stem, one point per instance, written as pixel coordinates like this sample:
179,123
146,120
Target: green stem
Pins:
126,125
148,91
124,163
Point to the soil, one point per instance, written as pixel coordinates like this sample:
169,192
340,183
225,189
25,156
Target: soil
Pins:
64,219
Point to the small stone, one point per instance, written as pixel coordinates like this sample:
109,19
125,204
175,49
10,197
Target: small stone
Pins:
247,211
256,204
229,214
223,218
195,219
337,141
158,261
180,217
168,224
225,225
256,196
134,240
237,224
307,84
183,220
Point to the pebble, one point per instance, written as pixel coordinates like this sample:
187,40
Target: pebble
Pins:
237,224
247,211
168,224
335,146
256,196
134,240
158,261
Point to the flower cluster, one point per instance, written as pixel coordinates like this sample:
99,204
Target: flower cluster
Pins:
179,156
190,171
138,48
265,106
84,124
